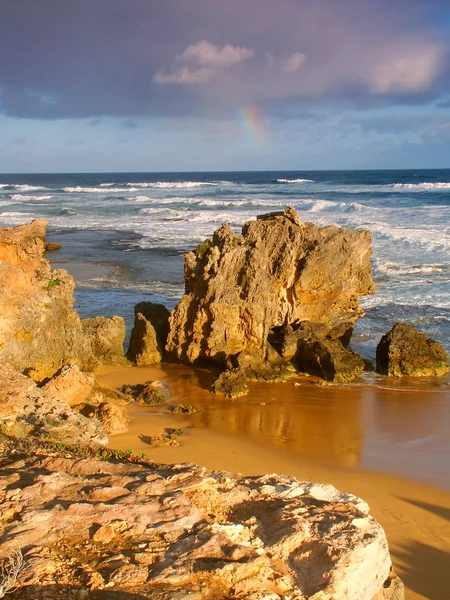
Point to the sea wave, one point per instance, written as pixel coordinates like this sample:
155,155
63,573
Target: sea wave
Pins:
173,184
295,181
425,186
98,190
404,269
25,198
28,188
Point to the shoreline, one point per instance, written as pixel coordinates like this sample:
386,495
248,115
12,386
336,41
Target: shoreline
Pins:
415,515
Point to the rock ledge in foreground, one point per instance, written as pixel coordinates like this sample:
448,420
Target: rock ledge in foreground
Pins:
182,531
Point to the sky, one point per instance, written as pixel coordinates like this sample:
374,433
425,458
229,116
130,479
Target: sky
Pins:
197,85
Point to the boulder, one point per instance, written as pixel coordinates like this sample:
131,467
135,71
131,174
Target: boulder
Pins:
149,334
107,337
312,352
41,411
280,271
71,384
39,330
405,351
231,384
193,532
114,419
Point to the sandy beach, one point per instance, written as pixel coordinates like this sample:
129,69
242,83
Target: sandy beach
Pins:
319,434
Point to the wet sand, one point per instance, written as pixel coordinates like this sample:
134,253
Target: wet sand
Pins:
389,447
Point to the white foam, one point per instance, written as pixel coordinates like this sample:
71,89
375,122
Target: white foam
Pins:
28,188
25,198
404,269
96,190
172,184
106,185
425,186
295,181
4,185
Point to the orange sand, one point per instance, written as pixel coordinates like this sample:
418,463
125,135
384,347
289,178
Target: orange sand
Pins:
333,435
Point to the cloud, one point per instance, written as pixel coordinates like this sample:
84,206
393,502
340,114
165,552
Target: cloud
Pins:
407,70
294,62
206,54
185,75
89,59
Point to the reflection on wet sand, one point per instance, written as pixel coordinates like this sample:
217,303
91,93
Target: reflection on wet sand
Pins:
402,431
304,421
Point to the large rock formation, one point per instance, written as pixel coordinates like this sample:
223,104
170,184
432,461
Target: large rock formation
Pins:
182,531
279,272
39,330
405,351
26,409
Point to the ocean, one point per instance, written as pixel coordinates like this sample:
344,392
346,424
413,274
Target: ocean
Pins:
124,235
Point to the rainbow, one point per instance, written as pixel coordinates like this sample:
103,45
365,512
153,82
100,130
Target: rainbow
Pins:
253,120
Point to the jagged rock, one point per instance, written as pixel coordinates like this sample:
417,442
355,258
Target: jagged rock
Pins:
312,352
42,411
149,334
70,384
107,337
180,531
39,330
280,271
114,419
405,351
231,384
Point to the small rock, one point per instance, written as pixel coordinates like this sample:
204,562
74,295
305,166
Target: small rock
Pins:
104,534
114,419
231,384
52,246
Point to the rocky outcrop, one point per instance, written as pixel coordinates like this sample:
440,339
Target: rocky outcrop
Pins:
280,271
39,330
149,334
405,351
26,409
183,531
313,352
107,337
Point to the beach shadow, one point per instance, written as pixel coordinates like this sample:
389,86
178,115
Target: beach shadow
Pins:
425,570
440,511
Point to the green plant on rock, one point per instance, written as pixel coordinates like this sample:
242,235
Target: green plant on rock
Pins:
52,283
203,248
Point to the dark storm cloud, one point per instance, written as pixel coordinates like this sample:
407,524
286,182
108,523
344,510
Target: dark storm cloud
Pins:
89,58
